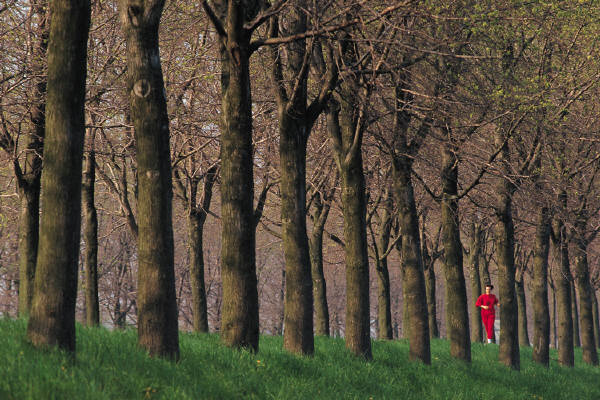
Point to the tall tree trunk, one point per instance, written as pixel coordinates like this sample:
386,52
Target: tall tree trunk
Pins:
574,313
562,288
316,261
553,330
457,314
505,250
29,176
595,317
582,276
474,258
522,309
431,300
349,162
541,312
196,219
239,323
92,304
157,304
52,320
384,314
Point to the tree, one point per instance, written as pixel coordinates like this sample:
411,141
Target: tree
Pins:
157,306
52,320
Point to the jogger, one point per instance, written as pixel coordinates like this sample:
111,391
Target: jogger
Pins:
487,302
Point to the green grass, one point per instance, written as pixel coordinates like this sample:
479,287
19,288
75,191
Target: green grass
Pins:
109,365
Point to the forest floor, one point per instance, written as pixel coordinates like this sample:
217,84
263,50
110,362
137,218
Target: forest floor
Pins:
109,365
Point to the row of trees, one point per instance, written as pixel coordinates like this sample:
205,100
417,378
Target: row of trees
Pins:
399,126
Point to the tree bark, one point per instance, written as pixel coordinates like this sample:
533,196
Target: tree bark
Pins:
522,309
431,300
316,261
52,319
457,314
582,277
595,317
562,288
196,219
575,313
505,249
239,323
92,304
29,176
384,313
157,304
474,257
541,312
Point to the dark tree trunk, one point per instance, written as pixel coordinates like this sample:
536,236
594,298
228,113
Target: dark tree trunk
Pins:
541,312
582,276
595,318
29,176
239,315
384,313
348,157
198,211
157,304
413,278
522,309
431,300
575,314
553,330
562,288
457,314
474,257
52,319
196,219
505,250
316,261
92,304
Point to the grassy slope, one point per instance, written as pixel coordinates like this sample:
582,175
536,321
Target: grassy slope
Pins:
110,366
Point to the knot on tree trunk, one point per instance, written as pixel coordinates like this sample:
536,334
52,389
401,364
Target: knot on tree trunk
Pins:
142,88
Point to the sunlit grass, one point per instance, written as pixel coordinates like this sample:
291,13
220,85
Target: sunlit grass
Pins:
109,365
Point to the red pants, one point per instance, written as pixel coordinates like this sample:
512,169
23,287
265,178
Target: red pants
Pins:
488,322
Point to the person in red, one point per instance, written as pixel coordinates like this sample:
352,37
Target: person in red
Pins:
487,302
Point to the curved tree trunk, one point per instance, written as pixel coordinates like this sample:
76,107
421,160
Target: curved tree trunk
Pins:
92,304
541,312
157,305
52,319
474,257
457,314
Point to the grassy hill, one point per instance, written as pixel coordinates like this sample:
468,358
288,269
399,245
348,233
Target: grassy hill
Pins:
110,366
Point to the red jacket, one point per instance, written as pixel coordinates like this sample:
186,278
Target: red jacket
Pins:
487,300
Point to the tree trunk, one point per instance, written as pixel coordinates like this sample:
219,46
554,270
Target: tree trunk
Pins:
595,318
457,314
553,331
562,287
384,314
52,320
316,262
508,353
474,257
541,312
582,276
575,313
157,305
431,300
349,162
522,309
92,304
240,323
196,219
29,176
